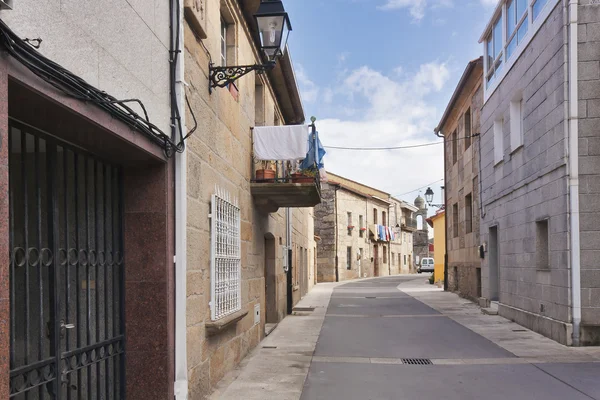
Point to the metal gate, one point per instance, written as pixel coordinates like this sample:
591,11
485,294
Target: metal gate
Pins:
66,271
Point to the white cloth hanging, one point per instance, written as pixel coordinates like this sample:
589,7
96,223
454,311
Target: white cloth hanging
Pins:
280,142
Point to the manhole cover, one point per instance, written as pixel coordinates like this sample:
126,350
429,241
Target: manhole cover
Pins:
416,361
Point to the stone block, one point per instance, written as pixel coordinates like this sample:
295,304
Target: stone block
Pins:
199,381
197,309
589,70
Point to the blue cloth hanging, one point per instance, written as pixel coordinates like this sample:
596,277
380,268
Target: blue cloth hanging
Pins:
309,162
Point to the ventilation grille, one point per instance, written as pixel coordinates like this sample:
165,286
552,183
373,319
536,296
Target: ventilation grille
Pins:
416,361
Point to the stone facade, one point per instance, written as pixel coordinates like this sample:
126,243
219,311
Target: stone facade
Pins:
348,253
403,222
459,125
526,217
220,155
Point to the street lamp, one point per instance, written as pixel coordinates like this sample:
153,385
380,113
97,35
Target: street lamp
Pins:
429,198
273,28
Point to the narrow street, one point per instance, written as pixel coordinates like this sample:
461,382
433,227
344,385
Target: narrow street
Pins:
364,334
372,330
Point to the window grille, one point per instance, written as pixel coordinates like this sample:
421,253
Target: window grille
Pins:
225,266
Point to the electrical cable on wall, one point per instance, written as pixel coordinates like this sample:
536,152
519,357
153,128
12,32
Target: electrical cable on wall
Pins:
74,86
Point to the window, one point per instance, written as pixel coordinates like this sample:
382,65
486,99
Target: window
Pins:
469,213
375,216
516,124
405,259
350,224
259,103
454,139
361,224
498,141
385,254
542,249
494,51
538,5
223,42
349,258
516,24
383,218
468,129
393,257
455,219
225,266
360,254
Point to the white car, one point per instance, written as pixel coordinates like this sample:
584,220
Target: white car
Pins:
426,265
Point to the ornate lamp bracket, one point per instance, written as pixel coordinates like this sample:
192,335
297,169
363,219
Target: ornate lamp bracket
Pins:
223,76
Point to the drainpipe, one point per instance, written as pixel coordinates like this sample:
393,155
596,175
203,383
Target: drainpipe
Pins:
337,270
573,166
289,277
181,373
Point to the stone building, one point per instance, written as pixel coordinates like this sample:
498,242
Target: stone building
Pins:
349,221
459,126
276,218
540,167
96,182
421,235
404,223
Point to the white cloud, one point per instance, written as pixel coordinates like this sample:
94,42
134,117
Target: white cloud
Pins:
308,89
396,113
417,8
489,3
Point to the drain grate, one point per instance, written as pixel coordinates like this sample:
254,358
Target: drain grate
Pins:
417,361
305,309
519,330
370,297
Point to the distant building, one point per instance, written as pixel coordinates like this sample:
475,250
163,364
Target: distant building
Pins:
363,232
421,235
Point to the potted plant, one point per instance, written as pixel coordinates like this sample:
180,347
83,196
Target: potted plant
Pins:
265,174
304,176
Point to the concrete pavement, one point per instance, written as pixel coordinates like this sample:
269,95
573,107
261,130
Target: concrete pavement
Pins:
357,342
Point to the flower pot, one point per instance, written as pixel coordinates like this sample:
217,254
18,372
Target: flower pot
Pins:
300,178
265,175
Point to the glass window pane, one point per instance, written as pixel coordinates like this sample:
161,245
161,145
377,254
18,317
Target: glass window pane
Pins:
511,47
497,37
499,66
537,7
523,30
521,8
490,52
511,18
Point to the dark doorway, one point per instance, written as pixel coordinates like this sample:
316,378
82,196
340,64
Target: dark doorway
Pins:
493,263
66,271
270,280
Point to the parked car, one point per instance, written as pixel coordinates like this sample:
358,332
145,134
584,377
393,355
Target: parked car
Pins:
426,265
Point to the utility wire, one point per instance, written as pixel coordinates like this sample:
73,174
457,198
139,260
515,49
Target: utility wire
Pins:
422,187
398,147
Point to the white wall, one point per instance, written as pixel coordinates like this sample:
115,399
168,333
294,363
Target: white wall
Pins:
119,46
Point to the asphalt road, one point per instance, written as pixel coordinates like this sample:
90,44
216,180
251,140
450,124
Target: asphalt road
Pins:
371,327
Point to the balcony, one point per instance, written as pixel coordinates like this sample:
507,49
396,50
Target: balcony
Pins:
409,224
274,186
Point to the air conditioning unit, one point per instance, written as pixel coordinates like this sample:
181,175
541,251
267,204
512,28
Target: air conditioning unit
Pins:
6,4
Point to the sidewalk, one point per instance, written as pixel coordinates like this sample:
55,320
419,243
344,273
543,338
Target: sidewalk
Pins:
525,344
278,367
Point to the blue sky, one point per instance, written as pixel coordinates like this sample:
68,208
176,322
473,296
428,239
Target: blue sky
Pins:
380,73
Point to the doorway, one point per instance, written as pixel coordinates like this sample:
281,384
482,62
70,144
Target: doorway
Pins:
270,280
493,263
66,271
376,259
